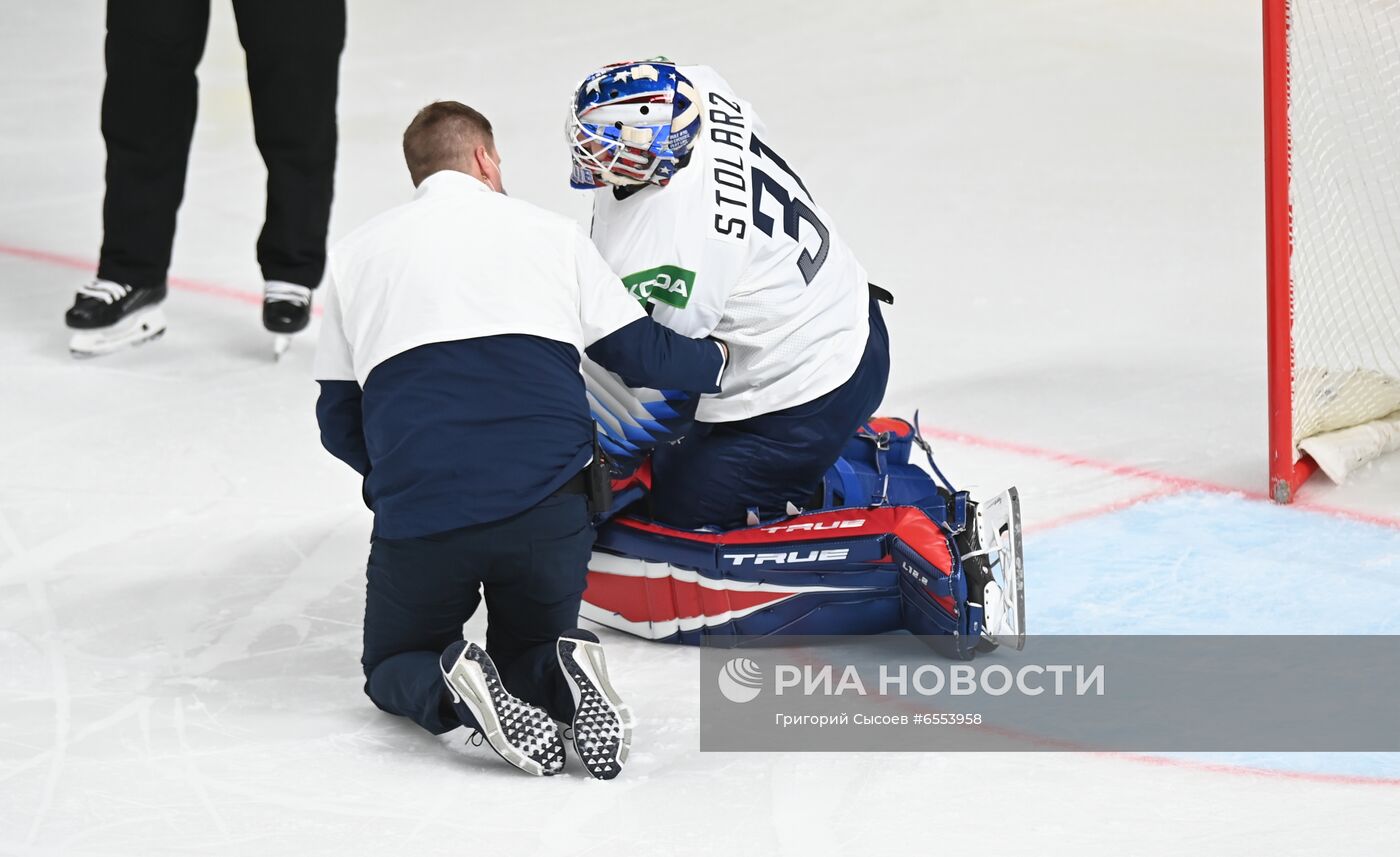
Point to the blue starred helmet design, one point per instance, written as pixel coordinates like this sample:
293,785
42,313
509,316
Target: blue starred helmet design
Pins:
631,123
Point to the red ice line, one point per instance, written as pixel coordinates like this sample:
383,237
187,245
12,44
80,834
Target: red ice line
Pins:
1252,771
1173,484
186,284
1096,511
1047,743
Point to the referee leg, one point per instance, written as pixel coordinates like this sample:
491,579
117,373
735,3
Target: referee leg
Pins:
148,112
293,52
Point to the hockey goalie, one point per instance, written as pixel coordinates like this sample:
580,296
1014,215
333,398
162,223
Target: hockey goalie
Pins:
776,506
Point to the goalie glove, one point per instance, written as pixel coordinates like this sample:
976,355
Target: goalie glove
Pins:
633,421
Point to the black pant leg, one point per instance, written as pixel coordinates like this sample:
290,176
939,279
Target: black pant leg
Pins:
533,593
419,593
716,475
148,112
293,52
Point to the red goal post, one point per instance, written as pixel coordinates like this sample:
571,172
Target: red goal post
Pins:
1332,182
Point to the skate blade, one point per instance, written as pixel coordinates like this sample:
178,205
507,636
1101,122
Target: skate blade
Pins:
999,524
139,328
281,342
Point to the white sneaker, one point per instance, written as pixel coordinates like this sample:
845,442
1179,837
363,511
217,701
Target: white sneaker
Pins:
602,727
520,733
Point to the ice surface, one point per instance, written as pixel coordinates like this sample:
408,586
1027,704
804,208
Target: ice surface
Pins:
1066,198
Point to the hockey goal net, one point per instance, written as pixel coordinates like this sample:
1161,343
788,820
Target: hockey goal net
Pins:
1332,116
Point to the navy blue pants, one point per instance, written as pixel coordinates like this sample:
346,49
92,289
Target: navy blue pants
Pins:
420,591
721,470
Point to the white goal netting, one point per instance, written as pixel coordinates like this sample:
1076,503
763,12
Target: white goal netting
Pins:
1344,192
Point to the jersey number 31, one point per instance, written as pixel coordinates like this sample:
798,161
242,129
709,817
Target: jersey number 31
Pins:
795,210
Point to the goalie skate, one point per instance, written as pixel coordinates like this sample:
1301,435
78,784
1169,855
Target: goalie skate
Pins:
1004,603
142,326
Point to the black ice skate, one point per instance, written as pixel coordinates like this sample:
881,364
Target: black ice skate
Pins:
286,310
603,723
519,732
108,316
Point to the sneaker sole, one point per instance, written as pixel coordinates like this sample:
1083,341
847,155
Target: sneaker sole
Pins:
506,721
602,721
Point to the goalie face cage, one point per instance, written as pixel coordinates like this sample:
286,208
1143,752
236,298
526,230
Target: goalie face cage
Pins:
1332,139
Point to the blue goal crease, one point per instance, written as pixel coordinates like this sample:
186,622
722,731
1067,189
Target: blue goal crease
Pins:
1154,568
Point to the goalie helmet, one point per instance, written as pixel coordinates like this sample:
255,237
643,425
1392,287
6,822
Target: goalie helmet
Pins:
631,123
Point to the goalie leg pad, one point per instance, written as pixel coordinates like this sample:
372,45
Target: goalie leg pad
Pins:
845,571
893,562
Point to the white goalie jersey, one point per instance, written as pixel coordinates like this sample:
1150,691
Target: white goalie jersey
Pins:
735,247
